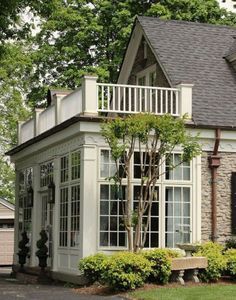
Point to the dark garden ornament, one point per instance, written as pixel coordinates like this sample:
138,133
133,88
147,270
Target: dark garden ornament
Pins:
42,252
24,250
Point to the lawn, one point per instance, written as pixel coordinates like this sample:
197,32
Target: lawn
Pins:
203,292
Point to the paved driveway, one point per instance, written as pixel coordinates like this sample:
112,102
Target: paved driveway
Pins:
11,289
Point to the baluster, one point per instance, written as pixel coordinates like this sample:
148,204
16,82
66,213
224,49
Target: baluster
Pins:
166,100
161,98
102,97
113,98
135,99
171,102
129,108
108,98
156,102
119,102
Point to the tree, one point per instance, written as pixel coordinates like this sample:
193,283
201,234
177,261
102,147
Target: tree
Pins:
15,70
82,36
155,137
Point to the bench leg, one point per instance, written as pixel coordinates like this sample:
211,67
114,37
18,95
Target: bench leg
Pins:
195,277
180,278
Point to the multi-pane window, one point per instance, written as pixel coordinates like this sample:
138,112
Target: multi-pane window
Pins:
63,239
70,200
107,165
64,168
75,216
145,164
25,210
152,236
170,219
175,170
46,174
112,231
177,211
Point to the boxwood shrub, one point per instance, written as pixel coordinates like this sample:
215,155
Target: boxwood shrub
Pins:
93,266
126,270
216,261
161,264
230,256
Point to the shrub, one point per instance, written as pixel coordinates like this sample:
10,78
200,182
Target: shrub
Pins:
93,266
126,270
216,261
161,261
230,256
230,243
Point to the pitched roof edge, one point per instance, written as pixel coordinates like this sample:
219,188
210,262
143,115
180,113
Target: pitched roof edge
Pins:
7,204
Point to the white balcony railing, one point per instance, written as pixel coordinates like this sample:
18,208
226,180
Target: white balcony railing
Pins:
129,99
93,98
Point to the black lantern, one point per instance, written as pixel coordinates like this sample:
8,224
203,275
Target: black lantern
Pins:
51,192
30,197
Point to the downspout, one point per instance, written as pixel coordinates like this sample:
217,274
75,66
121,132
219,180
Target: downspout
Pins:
214,163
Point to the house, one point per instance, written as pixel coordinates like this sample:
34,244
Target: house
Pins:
7,211
62,161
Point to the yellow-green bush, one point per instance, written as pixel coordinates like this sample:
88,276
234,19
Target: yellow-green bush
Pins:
93,266
161,264
230,256
126,270
216,261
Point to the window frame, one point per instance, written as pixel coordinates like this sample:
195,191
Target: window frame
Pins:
162,183
69,185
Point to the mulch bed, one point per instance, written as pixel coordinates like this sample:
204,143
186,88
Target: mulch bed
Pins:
101,290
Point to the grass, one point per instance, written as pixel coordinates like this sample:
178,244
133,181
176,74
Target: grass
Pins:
203,292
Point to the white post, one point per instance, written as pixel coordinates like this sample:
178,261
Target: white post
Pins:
56,214
16,222
89,96
88,225
185,99
36,121
58,110
36,216
19,137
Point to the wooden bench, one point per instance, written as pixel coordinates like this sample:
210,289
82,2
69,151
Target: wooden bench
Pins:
186,268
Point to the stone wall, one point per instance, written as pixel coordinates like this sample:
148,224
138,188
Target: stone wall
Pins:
223,191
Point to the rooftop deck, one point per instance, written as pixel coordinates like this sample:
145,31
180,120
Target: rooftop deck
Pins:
93,99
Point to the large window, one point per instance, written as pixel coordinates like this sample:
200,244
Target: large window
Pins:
46,174
170,221
70,200
25,210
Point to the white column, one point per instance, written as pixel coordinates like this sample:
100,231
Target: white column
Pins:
185,99
56,214
19,139
36,121
58,109
36,215
16,222
88,194
89,95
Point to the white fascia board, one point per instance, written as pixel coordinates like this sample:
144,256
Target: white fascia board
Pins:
130,54
56,138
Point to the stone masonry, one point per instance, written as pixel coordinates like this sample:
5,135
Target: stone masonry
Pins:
223,191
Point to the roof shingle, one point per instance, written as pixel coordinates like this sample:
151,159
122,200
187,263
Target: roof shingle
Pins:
194,52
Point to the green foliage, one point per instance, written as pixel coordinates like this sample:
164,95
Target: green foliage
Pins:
156,137
161,264
230,256
93,266
15,70
230,243
126,270
216,261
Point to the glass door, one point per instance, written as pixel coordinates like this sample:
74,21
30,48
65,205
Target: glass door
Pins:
47,224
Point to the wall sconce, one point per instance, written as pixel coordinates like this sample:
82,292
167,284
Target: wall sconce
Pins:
51,192
30,197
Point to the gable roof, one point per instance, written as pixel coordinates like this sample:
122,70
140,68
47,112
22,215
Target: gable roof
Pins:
7,204
194,52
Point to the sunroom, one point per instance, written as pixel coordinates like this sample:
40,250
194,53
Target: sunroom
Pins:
62,165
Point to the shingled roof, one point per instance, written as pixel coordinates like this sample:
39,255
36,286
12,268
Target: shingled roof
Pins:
194,52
